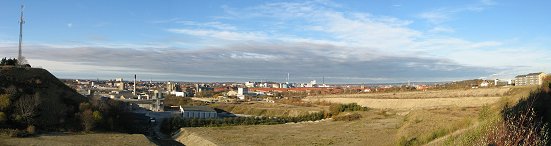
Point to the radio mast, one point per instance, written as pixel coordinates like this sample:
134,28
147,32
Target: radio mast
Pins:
21,22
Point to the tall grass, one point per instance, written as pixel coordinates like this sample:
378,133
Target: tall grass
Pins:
526,123
521,118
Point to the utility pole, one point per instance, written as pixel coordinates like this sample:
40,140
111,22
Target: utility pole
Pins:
21,22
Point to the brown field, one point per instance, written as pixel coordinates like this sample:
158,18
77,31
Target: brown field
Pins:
481,92
376,127
420,99
79,139
268,109
410,104
408,118
372,129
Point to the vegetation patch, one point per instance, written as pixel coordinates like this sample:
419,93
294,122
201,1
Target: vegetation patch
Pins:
335,109
173,124
521,118
348,117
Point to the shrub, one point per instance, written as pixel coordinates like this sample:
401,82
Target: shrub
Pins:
4,102
523,124
3,117
8,62
348,117
88,122
97,116
8,132
403,141
335,109
523,129
176,123
31,129
14,133
84,106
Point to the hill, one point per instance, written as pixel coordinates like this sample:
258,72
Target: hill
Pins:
33,96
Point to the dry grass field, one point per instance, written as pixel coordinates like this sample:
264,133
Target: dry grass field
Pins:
268,109
420,99
480,92
373,129
376,127
412,104
407,118
79,139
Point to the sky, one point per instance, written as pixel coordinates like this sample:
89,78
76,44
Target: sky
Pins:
364,41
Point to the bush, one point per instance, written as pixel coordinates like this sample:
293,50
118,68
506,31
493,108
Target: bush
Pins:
335,109
403,141
348,117
84,106
8,132
176,123
15,133
8,62
526,123
4,102
3,117
31,129
88,121
97,116
523,129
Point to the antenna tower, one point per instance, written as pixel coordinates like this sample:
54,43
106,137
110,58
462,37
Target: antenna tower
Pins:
21,22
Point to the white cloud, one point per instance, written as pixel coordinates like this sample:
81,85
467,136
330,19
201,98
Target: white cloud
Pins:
69,25
435,16
441,15
441,29
343,45
214,24
221,34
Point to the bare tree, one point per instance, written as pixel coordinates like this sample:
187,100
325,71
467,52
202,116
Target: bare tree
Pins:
87,117
25,108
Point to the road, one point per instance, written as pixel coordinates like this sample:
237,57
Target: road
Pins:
155,131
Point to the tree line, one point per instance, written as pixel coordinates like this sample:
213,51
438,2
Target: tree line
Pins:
176,123
8,62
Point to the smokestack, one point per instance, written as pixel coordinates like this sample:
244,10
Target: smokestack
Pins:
287,78
134,84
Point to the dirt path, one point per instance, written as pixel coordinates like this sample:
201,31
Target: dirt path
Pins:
440,141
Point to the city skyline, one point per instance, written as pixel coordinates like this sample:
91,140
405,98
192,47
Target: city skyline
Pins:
344,42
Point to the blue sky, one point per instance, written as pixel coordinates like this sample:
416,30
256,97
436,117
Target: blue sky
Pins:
345,41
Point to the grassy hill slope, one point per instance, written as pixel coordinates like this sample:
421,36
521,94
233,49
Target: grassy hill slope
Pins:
33,96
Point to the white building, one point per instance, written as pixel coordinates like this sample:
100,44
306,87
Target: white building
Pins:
198,112
484,84
178,94
242,91
249,84
530,79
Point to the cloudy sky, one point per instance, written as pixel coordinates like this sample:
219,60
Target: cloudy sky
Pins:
343,41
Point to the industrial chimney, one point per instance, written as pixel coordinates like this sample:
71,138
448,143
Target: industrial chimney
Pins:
134,84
